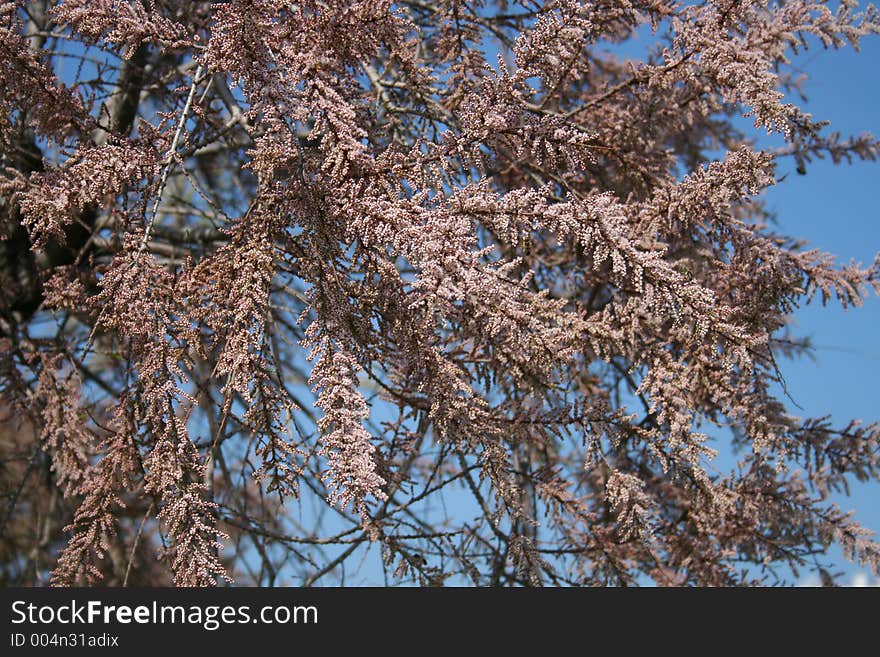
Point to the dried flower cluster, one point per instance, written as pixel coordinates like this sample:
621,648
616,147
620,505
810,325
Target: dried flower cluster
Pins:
286,284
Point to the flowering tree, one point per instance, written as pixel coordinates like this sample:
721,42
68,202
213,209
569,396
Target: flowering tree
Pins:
464,284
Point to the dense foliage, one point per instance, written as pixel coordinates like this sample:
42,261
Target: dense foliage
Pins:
485,288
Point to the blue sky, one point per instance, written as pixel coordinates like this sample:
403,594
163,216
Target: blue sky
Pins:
835,208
